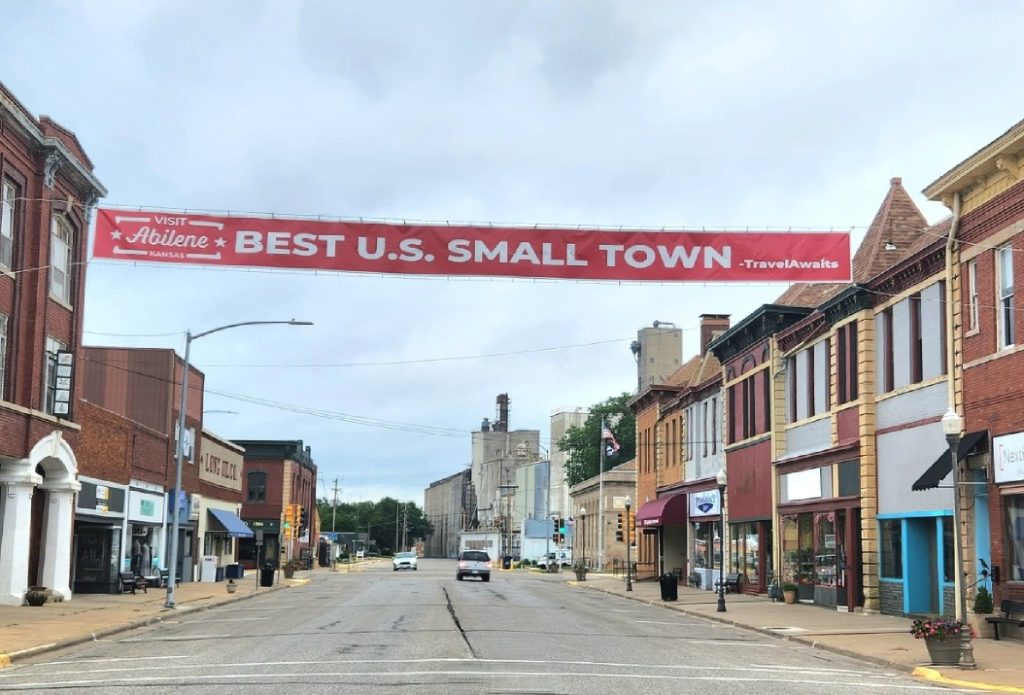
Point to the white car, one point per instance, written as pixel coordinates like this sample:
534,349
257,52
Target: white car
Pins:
404,561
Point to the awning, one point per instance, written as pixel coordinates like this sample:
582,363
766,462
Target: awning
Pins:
664,510
229,524
972,443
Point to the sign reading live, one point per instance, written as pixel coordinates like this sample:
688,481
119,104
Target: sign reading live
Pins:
420,249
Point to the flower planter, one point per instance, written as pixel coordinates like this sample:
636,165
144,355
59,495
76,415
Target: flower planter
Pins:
37,595
789,596
231,586
943,652
581,575
289,571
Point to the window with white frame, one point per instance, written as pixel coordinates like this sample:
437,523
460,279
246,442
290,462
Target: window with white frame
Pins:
1005,318
8,194
714,426
60,259
972,296
3,354
53,346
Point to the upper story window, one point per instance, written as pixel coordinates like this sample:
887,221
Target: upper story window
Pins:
846,355
1004,280
257,486
972,296
888,352
744,398
916,344
714,426
53,346
807,382
3,354
60,259
8,195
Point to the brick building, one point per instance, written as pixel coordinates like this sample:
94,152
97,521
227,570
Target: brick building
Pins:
277,473
986,196
47,191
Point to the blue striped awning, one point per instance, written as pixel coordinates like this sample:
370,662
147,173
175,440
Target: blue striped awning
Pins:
230,524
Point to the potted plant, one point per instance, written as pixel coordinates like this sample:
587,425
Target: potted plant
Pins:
231,586
580,568
789,592
983,607
942,638
289,569
37,595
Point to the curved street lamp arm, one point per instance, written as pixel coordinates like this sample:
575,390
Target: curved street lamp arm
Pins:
291,322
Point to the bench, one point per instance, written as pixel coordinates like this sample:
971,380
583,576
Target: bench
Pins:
1008,608
695,580
129,582
732,582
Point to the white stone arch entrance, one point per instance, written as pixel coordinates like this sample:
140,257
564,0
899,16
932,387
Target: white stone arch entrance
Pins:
18,482
59,484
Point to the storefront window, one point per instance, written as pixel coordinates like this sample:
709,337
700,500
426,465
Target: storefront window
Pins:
798,548
892,548
825,565
703,538
948,561
745,548
1015,535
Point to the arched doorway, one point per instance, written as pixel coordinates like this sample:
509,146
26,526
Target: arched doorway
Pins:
53,461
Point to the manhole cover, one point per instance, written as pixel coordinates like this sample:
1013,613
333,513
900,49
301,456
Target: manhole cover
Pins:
785,629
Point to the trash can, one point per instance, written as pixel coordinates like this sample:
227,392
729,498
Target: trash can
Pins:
267,575
506,562
669,587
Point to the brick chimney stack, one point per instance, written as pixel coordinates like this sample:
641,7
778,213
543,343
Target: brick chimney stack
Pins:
711,326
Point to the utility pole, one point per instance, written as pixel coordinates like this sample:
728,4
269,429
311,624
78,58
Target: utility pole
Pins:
405,523
600,501
396,526
334,508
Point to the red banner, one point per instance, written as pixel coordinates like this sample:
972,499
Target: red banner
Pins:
415,249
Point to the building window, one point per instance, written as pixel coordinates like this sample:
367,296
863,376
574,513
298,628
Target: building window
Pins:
828,374
1005,280
810,382
60,259
847,358
1015,536
704,430
892,549
53,346
714,426
766,395
948,563
3,354
972,296
8,194
888,351
257,483
791,369
916,345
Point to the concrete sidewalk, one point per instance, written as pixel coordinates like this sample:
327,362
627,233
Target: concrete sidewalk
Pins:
880,639
29,630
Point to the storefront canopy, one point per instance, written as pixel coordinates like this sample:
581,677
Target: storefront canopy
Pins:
664,510
972,443
230,524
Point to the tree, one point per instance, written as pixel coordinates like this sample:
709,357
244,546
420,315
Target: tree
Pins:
379,519
581,444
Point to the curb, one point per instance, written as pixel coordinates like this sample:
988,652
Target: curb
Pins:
920,672
8,659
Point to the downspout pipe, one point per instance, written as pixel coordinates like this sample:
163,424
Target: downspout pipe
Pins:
950,328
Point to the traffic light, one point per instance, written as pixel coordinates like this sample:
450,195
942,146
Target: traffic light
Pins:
303,518
288,520
618,527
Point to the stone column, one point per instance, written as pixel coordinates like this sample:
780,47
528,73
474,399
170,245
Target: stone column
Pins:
17,482
55,560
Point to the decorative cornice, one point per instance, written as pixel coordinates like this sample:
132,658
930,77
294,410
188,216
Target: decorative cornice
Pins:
763,323
800,333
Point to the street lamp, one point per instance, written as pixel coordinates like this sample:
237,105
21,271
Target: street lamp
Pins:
172,565
721,516
629,579
952,423
583,517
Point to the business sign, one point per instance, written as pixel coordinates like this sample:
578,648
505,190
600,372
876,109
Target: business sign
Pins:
1008,458
419,249
63,383
705,503
220,465
145,507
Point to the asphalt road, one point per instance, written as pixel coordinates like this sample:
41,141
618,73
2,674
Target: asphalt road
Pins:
378,631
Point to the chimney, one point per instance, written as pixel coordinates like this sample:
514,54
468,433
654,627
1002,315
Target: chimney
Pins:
711,326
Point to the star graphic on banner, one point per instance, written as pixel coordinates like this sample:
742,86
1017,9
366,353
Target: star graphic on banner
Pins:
221,242
116,234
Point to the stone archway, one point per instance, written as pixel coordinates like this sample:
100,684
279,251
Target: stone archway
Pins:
60,483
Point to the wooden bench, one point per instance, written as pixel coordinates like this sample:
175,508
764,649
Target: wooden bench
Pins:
129,582
732,582
1008,608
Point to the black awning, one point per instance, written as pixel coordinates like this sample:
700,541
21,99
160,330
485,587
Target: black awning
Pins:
943,466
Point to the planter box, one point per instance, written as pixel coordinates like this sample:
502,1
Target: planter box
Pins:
982,628
944,652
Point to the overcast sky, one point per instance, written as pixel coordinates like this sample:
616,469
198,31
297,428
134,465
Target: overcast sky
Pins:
734,115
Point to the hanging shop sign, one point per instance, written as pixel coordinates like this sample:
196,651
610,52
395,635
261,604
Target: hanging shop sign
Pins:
705,503
419,249
1008,458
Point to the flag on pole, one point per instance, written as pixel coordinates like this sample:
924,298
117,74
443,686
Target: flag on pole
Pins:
611,444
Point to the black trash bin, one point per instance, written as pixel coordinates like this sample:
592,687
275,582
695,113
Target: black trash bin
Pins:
669,587
267,575
506,562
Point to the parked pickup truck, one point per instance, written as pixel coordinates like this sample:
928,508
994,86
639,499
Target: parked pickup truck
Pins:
560,557
474,563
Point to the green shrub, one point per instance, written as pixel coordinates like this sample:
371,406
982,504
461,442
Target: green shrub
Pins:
983,601
789,586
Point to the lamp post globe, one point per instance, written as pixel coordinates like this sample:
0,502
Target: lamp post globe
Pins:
722,480
629,540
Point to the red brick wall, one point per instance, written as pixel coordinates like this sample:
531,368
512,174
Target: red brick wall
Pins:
115,448
750,482
271,508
